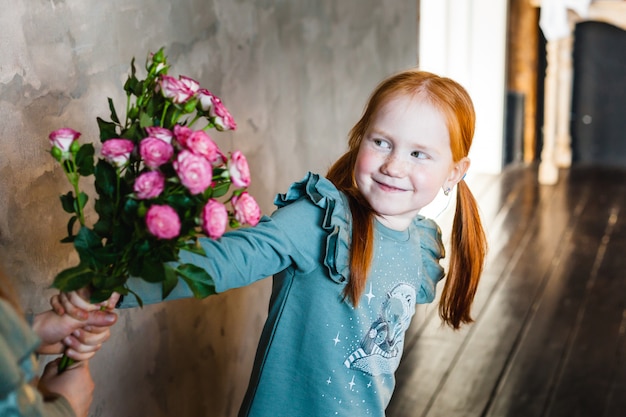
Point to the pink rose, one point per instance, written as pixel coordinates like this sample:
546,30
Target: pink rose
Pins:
155,152
205,99
191,84
239,170
181,133
176,90
149,185
117,151
194,171
247,210
220,116
63,138
214,219
163,222
200,143
160,133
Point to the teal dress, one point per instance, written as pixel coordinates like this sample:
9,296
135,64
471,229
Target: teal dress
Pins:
18,365
318,354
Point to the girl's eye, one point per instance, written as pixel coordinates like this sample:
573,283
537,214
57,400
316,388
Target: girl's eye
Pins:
419,155
381,143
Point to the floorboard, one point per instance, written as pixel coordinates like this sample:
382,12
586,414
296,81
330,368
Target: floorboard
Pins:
550,333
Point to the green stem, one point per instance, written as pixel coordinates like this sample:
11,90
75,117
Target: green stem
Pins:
194,120
65,363
69,167
127,110
167,104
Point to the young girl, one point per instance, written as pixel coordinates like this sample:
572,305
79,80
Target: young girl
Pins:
351,256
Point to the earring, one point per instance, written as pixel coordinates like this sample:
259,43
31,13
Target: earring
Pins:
446,191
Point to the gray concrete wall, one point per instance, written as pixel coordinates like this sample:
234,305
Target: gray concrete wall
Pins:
295,75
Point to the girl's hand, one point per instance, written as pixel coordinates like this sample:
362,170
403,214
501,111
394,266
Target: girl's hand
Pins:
76,305
75,384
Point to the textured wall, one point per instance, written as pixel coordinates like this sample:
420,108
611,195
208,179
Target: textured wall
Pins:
294,74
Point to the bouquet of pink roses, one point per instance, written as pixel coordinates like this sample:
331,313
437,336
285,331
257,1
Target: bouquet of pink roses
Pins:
161,182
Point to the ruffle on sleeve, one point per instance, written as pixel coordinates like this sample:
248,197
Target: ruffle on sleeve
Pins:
325,195
432,251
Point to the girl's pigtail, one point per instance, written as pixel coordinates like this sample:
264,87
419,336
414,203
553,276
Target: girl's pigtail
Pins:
362,248
467,255
341,173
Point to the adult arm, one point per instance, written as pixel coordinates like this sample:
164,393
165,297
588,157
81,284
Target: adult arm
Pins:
70,393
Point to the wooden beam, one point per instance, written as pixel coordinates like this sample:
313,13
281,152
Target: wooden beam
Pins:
523,65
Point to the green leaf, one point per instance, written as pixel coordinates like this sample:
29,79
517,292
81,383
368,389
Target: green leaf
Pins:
67,202
220,189
103,227
154,107
81,200
133,133
86,243
109,282
108,130
131,83
72,279
199,281
138,88
87,239
139,301
122,235
179,201
70,229
171,279
99,295
145,120
193,248
106,179
113,112
153,271
84,159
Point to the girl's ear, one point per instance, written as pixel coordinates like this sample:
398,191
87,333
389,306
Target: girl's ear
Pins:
458,172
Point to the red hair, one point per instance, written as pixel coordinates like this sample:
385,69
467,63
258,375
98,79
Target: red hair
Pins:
468,240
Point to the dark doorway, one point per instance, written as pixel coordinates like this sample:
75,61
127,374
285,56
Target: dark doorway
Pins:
599,95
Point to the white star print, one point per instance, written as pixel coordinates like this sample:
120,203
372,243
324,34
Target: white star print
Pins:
336,339
370,295
352,384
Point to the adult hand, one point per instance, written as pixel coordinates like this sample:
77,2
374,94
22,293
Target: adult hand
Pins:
76,305
82,337
75,384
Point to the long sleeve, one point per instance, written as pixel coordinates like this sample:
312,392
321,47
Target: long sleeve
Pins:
18,398
289,238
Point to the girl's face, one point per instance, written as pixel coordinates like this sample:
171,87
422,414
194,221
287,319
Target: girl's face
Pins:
404,159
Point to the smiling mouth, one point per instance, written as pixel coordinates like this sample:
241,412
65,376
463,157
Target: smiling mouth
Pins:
387,187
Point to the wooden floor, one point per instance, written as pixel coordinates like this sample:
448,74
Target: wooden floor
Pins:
550,332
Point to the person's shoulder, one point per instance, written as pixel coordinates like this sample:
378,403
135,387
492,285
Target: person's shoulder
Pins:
314,211
313,188
315,198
